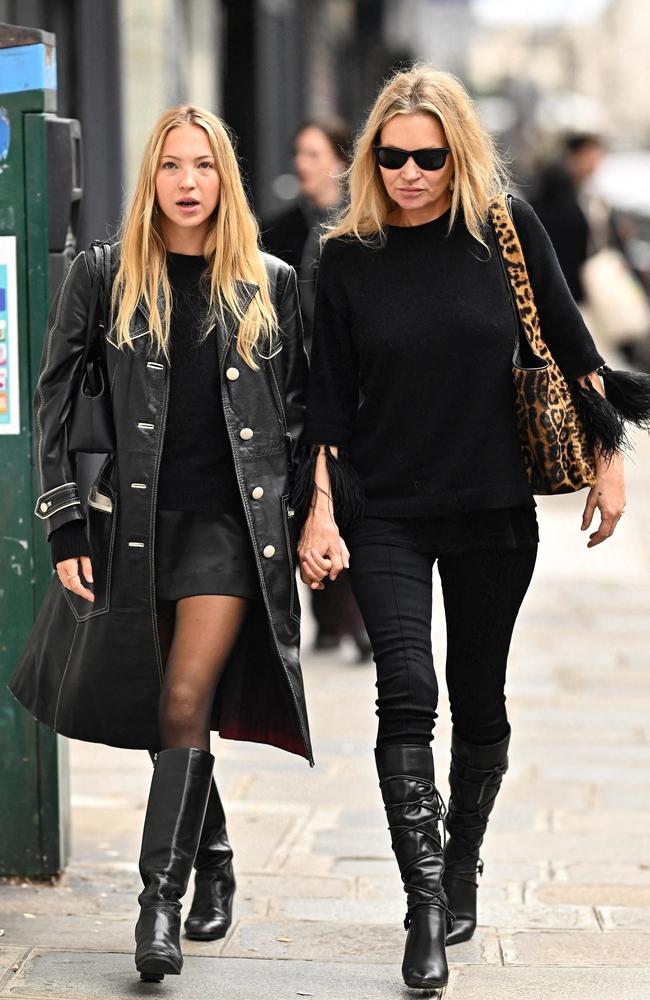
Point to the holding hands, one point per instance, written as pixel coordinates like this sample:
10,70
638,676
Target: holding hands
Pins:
321,550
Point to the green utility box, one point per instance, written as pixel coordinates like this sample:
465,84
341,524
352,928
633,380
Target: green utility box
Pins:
40,191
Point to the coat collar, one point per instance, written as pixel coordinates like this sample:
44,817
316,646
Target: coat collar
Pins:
226,327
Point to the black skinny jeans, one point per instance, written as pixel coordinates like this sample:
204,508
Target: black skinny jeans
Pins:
391,569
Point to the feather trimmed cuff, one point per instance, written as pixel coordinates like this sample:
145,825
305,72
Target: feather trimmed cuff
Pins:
346,489
605,418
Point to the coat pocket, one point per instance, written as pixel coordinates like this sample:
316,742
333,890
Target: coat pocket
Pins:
101,521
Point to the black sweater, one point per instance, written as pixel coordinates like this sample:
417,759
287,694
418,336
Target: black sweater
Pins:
196,468
412,363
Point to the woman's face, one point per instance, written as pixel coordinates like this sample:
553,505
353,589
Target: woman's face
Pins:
187,182
315,161
410,187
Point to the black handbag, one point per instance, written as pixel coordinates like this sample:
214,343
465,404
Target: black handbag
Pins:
90,428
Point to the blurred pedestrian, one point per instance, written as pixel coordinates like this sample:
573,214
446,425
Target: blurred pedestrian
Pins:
321,150
143,651
321,154
411,405
587,239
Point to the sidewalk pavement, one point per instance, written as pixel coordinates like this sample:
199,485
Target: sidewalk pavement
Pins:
565,898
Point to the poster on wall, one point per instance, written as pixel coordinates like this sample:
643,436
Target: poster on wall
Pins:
9,367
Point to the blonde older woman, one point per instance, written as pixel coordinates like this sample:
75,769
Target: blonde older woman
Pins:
411,378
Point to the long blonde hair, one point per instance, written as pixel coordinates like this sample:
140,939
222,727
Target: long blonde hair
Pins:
231,246
479,172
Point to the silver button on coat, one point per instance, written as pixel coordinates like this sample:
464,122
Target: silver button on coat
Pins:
246,433
257,493
232,374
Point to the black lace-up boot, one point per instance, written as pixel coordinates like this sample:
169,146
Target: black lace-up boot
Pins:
210,914
414,808
474,781
172,827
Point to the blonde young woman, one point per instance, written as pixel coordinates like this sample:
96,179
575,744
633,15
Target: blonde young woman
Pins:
412,377
173,610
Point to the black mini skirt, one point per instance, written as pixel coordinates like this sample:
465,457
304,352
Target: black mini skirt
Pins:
198,552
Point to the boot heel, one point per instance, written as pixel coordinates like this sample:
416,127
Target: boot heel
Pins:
154,968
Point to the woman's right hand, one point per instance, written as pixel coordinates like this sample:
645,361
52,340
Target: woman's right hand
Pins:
68,573
321,550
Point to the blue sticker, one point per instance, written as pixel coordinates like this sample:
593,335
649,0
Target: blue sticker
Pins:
5,136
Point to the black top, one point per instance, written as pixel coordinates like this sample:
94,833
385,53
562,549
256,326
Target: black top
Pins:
412,364
196,468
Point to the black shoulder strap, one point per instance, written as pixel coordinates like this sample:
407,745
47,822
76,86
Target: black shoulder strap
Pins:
107,286
91,319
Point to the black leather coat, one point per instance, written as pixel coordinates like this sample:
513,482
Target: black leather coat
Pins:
94,671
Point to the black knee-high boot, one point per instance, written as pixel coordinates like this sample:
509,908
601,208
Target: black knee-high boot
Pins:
210,914
414,808
172,827
474,780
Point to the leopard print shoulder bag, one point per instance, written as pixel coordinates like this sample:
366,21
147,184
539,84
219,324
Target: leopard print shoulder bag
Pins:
557,451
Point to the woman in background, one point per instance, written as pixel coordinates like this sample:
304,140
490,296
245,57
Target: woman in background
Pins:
320,156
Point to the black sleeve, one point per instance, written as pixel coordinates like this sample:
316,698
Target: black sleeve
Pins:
60,370
562,325
292,361
333,396
69,542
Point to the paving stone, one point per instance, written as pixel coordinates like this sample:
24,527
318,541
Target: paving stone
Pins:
310,887
10,958
488,983
310,940
108,976
109,931
75,931
49,899
342,942
575,948
353,843
530,915
358,911
364,866
385,889
497,872
547,794
562,848
635,822
590,895
606,873
625,917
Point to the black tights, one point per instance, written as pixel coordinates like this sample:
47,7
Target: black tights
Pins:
391,569
197,635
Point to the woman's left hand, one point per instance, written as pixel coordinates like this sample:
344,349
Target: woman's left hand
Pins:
608,496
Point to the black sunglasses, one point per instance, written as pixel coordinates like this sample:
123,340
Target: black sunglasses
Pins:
427,159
